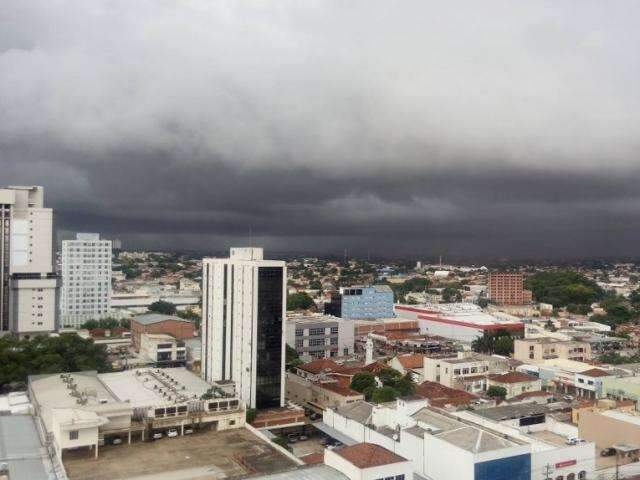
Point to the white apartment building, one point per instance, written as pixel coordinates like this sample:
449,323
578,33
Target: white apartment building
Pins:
29,287
320,336
86,279
464,373
162,348
243,325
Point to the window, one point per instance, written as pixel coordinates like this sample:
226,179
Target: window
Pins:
571,476
334,330
400,477
316,331
299,343
299,332
582,475
559,477
73,435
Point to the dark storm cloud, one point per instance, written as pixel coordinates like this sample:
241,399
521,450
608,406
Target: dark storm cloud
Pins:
476,129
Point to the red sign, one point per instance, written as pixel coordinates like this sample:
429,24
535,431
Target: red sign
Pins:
566,463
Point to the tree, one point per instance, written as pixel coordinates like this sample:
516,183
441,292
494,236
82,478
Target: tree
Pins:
451,295
561,288
483,302
405,386
166,308
315,285
299,301
503,345
250,414
362,381
66,353
497,392
388,376
384,394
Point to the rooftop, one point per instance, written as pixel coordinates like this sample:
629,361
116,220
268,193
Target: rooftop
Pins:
475,440
505,412
367,455
415,360
151,318
20,448
359,411
320,365
313,318
441,396
513,377
595,372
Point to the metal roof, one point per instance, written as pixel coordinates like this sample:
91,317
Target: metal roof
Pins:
20,448
150,318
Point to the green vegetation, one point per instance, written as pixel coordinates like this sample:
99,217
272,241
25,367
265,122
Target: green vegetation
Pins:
251,414
615,358
384,394
500,343
166,308
299,301
563,288
451,295
106,323
400,290
363,381
292,359
619,311
394,385
66,353
497,392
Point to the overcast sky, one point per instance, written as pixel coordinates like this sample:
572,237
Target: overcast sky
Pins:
409,128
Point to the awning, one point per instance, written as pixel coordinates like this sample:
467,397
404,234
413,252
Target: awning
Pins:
335,434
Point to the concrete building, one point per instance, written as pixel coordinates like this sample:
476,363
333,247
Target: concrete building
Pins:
86,279
319,394
362,302
178,328
464,373
610,427
459,321
162,349
22,455
29,288
368,461
412,363
507,288
243,324
534,350
515,383
320,336
86,409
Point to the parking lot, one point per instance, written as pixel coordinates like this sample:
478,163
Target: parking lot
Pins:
203,456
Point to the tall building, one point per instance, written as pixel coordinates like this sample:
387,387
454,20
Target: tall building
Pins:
86,279
508,289
362,302
29,287
243,329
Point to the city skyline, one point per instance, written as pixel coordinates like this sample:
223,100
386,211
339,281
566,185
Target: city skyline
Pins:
490,130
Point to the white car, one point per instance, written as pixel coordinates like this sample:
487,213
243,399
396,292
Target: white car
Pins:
188,431
157,436
116,441
172,432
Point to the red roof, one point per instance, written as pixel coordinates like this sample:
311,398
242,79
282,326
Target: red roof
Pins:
339,389
595,372
367,455
415,360
513,377
440,396
313,458
319,366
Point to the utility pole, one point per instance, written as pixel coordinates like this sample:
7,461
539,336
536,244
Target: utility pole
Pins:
548,470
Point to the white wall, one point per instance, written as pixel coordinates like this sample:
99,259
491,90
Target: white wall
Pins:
583,454
445,461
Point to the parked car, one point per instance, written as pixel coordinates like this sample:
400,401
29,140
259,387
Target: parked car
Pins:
188,431
157,436
116,441
291,438
608,452
172,432
303,438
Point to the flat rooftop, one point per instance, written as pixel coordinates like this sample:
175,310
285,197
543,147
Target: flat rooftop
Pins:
146,387
203,455
318,318
20,448
506,412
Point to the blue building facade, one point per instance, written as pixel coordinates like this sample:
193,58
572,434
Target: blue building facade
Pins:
362,302
509,468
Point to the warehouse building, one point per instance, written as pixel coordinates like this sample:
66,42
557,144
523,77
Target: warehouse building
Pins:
87,409
458,321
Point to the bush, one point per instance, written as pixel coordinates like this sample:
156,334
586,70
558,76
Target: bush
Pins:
497,392
384,394
362,381
166,308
